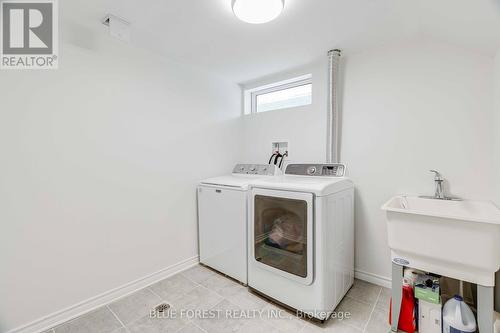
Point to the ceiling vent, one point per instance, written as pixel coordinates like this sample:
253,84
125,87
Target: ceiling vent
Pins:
118,27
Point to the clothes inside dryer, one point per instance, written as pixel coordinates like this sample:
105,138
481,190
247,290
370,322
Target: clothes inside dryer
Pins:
281,234
287,233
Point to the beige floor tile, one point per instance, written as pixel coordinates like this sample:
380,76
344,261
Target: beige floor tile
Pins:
98,321
330,326
120,330
156,325
379,322
191,328
247,300
238,310
384,300
223,286
282,319
354,313
257,325
200,298
198,274
173,288
364,292
135,306
226,321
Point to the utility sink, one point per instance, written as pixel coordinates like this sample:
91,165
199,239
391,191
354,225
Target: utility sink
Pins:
459,239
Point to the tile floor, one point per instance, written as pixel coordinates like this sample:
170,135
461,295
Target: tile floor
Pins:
200,288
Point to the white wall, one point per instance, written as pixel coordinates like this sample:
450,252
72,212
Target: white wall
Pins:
496,155
303,127
98,166
497,127
407,108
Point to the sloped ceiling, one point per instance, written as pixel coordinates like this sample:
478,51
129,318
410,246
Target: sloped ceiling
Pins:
205,33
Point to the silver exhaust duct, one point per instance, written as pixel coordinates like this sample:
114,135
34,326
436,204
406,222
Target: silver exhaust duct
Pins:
332,119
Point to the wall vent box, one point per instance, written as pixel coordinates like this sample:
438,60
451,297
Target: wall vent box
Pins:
118,27
281,147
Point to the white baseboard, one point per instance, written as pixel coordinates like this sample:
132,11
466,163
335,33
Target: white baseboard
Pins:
373,278
107,297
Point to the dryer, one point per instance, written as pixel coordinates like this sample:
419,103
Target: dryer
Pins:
222,218
301,237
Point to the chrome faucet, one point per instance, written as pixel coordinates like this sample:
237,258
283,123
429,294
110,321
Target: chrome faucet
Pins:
438,181
439,190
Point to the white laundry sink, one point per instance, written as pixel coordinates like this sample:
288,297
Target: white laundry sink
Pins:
460,239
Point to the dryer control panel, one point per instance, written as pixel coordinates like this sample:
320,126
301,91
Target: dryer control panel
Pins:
256,169
321,170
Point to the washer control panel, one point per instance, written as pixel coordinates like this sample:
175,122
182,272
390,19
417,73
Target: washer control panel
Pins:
256,169
322,170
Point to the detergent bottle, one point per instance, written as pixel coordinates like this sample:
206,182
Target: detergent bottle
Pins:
407,316
458,317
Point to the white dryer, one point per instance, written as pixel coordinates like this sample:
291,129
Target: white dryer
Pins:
301,237
222,218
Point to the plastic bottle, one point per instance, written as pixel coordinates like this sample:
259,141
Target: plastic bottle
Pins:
407,316
458,317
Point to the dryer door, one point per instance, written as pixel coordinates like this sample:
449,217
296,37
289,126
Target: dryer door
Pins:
281,233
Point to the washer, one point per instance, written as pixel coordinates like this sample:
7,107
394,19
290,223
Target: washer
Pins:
301,237
222,218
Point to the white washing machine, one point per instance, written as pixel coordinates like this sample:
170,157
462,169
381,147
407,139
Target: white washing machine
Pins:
222,218
301,237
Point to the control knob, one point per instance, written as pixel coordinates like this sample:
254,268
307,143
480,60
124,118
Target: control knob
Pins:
311,170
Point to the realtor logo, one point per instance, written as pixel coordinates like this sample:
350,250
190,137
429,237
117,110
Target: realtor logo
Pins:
29,36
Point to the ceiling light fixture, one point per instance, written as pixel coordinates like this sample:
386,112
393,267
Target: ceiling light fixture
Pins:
257,11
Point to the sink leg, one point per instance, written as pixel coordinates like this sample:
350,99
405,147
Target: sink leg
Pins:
485,299
397,294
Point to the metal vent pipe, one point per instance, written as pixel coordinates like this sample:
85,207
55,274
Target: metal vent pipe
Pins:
333,111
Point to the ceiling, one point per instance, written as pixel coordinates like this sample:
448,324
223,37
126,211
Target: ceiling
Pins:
205,33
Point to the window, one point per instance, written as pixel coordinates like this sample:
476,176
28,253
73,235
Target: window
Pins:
279,95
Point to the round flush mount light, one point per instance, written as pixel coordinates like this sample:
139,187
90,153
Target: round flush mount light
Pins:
257,11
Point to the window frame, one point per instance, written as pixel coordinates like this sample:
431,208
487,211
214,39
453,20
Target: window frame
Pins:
250,95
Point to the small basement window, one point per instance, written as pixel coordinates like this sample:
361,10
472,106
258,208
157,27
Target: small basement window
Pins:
279,95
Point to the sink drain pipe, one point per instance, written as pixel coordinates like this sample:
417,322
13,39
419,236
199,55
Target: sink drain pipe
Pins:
333,110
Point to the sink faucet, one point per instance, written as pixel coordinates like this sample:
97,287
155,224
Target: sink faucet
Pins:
439,191
438,181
